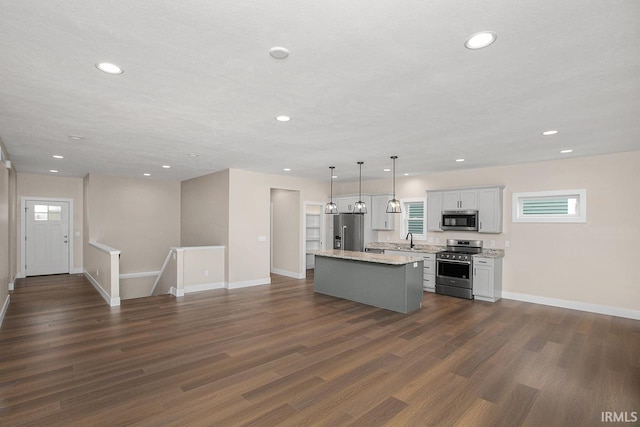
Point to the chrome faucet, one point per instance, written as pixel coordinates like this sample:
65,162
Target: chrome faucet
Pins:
411,244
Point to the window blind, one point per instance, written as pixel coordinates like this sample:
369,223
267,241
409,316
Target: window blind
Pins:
415,217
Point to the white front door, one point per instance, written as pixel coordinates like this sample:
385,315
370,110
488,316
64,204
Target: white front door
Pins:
47,237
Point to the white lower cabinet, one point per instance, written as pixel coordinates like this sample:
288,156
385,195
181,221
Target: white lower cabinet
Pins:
429,274
487,278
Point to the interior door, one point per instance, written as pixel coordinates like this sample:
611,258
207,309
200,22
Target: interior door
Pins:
47,237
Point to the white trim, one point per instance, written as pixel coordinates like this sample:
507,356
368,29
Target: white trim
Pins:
138,275
5,307
11,286
247,283
289,273
303,241
574,305
203,287
581,217
76,270
176,292
20,275
113,302
23,229
104,248
197,248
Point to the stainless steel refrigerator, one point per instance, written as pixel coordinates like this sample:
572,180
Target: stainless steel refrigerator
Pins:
348,231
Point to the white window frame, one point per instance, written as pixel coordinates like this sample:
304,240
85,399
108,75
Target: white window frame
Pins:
405,213
580,217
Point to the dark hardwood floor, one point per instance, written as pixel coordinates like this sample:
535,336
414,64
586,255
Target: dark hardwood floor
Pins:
282,355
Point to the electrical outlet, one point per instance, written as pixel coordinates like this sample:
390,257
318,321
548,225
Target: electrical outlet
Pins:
206,273
430,240
492,243
437,240
507,243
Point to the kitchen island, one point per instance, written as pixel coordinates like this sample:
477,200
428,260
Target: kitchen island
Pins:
391,282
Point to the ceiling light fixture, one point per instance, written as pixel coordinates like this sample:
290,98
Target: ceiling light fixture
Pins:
566,151
334,177
109,68
146,174
57,156
76,137
331,208
287,169
360,207
406,174
480,40
549,132
283,118
166,166
193,155
53,171
386,170
459,160
394,204
279,52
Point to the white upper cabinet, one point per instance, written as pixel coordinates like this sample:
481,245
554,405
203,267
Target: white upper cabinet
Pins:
460,199
487,200
434,210
380,219
346,204
490,210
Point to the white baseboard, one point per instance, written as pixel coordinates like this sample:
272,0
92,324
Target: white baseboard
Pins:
7,301
289,273
203,287
175,292
113,302
20,275
247,283
76,270
574,305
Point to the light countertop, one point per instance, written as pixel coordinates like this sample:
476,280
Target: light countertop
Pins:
431,249
368,257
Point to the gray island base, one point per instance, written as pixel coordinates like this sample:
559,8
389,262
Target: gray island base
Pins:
387,281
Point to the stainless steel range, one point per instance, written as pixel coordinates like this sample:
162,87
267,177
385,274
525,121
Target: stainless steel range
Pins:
454,268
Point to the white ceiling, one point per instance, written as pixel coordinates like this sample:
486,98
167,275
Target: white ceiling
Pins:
365,80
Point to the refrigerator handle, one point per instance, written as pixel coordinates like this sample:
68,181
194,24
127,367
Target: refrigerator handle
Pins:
344,232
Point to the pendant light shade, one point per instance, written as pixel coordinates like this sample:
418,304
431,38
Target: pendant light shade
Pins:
360,207
331,208
394,204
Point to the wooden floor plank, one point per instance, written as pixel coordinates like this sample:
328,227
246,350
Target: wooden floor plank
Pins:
283,355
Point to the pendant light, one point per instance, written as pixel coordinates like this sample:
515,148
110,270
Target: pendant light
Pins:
360,207
394,204
331,208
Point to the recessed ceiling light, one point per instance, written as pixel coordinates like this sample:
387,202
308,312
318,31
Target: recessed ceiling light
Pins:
76,137
459,160
480,40
279,52
57,156
386,170
566,151
53,171
334,176
109,68
193,155
549,132
406,174
146,174
166,166
283,118
287,169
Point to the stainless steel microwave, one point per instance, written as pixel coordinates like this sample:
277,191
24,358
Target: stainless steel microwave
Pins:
460,220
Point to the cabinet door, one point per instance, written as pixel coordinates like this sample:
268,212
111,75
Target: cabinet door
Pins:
469,199
380,219
450,200
490,210
345,204
483,281
434,210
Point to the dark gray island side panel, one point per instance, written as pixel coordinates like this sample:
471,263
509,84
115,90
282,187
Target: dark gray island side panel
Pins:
393,287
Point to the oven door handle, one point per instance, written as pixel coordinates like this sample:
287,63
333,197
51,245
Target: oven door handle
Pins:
454,262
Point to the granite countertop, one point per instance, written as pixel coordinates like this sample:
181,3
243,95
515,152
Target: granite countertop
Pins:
430,249
368,257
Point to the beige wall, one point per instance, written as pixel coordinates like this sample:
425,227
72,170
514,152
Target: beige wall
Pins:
249,203
202,266
590,262
286,231
140,217
46,186
205,210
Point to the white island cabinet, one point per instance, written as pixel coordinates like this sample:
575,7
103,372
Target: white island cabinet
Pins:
487,278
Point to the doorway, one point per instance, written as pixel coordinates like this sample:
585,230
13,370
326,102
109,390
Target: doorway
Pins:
46,236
